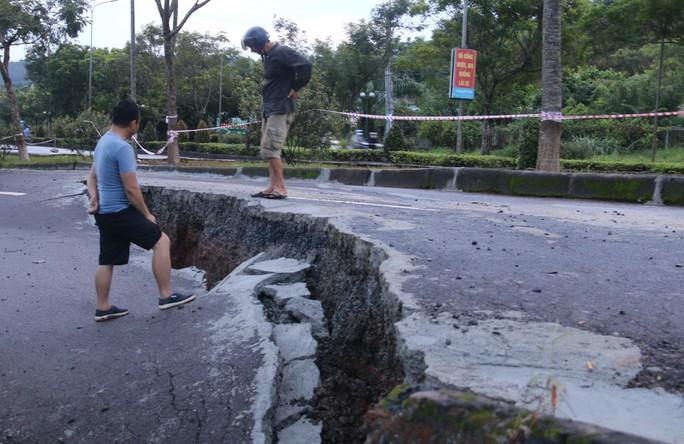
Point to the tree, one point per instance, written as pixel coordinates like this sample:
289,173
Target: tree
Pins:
198,64
395,140
31,22
548,157
202,136
149,133
637,22
507,36
388,20
170,29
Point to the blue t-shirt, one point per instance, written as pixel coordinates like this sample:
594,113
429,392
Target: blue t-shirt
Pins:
113,156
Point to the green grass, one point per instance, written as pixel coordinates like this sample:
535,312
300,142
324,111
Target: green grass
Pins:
672,155
12,160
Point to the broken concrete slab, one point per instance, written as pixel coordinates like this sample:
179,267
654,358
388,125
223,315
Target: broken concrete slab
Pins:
289,413
300,379
310,311
521,361
287,270
303,431
294,341
283,293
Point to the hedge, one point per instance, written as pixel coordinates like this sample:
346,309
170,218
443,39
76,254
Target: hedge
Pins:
622,167
412,158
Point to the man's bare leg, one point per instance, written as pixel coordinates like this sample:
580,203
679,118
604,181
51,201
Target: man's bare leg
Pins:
161,266
103,283
275,167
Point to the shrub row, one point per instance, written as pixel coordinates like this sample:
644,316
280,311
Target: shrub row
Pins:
621,167
412,158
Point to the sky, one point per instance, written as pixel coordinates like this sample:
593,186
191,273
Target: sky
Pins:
319,18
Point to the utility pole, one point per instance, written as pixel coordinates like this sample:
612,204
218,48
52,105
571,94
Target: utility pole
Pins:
90,68
464,45
218,119
133,89
389,97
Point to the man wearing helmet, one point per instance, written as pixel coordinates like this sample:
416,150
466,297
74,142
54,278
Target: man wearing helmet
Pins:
286,72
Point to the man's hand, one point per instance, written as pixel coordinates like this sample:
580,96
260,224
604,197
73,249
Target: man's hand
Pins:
94,205
151,218
294,95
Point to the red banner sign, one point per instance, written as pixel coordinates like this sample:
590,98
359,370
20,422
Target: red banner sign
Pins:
463,73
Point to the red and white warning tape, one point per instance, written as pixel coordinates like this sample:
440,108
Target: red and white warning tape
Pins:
544,116
152,153
553,116
11,137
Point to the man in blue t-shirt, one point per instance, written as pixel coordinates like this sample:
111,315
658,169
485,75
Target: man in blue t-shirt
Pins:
122,216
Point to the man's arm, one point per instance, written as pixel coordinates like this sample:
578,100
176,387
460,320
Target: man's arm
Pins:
135,197
92,191
301,67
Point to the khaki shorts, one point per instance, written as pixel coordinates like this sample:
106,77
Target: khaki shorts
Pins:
273,135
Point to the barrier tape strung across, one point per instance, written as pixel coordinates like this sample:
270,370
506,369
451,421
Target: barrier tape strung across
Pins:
42,143
11,137
544,116
173,134
153,153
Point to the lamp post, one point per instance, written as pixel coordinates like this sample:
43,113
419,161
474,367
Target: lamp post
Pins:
218,118
366,99
90,70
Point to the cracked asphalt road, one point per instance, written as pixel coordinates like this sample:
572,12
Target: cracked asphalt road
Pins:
610,268
604,267
152,376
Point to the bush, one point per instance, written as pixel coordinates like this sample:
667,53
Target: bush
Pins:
231,138
451,160
522,136
395,140
586,147
202,136
149,133
621,167
181,126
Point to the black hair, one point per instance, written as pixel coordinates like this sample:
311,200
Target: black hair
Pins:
125,112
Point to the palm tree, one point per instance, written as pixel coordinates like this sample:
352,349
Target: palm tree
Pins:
548,157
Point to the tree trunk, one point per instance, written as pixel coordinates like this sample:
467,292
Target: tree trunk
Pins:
171,108
548,157
486,145
14,108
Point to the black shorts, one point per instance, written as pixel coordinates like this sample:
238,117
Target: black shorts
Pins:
119,230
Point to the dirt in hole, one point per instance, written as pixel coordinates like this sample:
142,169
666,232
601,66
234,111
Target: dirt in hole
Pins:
358,362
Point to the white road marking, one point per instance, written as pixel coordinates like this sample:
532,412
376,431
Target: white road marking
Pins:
368,204
9,193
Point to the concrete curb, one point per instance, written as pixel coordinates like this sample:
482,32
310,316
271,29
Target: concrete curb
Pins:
634,188
666,190
460,417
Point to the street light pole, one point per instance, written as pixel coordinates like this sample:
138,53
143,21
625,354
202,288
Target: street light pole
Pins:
90,69
218,119
133,88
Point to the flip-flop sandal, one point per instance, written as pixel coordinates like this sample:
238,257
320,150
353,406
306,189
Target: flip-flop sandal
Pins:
260,194
275,195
